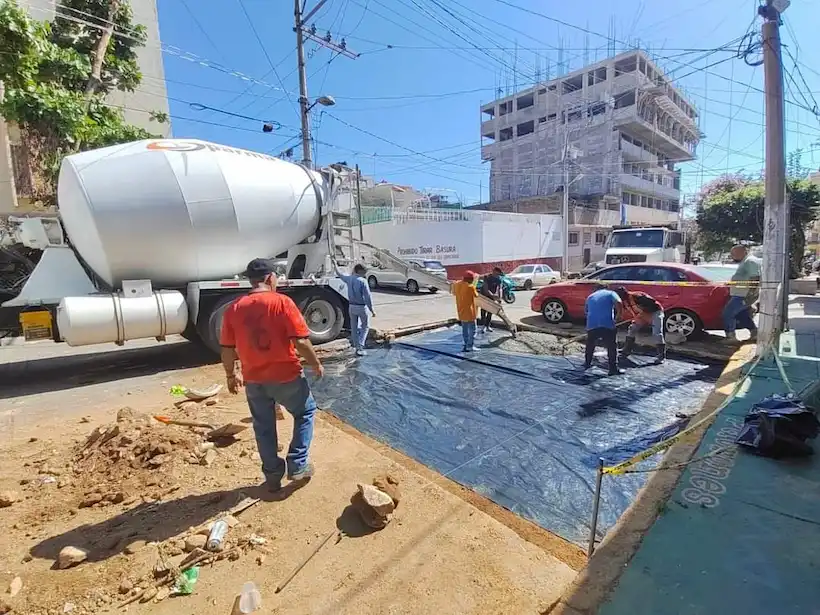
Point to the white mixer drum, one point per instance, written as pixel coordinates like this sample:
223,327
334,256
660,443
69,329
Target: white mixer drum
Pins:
178,211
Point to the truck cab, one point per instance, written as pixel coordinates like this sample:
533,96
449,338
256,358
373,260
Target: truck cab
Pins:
644,244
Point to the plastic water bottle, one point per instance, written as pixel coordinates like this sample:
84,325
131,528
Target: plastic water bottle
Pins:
250,599
216,539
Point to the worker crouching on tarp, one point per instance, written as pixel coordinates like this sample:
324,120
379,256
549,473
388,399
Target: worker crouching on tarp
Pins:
648,313
603,309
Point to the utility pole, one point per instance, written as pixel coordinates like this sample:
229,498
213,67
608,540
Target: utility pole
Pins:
327,41
359,202
774,272
565,208
303,93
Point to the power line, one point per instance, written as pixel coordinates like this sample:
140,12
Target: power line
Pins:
267,56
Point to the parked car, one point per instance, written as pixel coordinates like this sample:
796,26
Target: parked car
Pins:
533,276
379,275
592,268
688,309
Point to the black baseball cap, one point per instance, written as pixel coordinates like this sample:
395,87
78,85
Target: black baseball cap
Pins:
259,268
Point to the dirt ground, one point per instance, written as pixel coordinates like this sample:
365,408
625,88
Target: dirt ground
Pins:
140,493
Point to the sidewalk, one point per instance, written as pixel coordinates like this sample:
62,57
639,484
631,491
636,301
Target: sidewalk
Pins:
738,535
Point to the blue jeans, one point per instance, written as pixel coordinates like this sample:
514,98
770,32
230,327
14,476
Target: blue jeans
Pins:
468,333
359,325
657,328
297,399
737,314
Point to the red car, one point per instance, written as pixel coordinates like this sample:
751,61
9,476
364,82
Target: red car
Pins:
688,309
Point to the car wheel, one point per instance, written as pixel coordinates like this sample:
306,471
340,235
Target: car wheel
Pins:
683,322
554,311
372,282
412,286
528,285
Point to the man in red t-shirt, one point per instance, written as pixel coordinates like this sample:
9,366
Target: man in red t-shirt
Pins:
265,331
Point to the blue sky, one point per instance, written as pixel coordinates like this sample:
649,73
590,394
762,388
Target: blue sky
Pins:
408,108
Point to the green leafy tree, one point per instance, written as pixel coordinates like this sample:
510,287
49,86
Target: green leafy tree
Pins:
731,208
54,90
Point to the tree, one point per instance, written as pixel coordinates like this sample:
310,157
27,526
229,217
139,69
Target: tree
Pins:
730,211
55,81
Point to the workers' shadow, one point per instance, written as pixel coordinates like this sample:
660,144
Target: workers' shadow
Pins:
152,522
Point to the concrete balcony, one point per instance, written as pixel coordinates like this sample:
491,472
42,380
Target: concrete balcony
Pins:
647,216
630,122
644,186
637,154
489,151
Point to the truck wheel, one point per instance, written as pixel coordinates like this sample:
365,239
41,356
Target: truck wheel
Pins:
209,326
324,317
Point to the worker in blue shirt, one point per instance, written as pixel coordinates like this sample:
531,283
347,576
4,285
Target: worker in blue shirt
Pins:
602,308
358,296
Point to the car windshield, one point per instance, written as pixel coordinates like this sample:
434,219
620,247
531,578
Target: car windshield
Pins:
433,265
637,239
716,273
523,269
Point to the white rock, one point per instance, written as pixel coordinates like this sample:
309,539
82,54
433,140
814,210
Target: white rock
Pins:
378,500
71,556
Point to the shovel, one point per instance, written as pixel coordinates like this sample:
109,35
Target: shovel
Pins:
216,433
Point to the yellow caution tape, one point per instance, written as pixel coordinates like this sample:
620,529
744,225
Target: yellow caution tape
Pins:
665,444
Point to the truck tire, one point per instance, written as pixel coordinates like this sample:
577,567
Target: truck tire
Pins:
209,326
324,316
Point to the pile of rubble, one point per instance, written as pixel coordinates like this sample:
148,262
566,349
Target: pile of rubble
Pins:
136,442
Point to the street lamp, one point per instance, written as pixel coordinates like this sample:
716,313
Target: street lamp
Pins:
325,101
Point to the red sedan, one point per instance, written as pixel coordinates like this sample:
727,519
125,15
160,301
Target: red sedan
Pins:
688,309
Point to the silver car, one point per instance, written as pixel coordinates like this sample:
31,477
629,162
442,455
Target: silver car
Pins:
379,275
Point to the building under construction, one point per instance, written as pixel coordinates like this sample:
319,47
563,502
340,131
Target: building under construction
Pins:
620,123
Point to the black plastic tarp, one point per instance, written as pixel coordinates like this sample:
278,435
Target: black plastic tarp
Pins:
526,431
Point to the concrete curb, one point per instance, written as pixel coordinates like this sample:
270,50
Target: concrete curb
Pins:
595,582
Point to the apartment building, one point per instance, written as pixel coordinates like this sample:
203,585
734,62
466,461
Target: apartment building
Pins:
15,179
623,127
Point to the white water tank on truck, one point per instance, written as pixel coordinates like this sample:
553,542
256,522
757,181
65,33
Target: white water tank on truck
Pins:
177,211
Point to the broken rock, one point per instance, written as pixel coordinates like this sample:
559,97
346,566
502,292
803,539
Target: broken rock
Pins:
134,546
71,556
369,516
90,500
125,414
388,484
126,586
197,541
149,594
7,498
377,499
15,586
208,457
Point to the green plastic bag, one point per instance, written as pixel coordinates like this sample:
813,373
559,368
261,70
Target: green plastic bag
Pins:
184,585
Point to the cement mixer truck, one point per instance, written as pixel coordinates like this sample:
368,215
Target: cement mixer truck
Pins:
151,235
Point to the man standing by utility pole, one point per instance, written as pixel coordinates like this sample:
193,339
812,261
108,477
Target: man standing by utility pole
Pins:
774,273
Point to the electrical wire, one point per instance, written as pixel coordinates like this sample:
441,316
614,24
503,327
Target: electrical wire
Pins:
267,56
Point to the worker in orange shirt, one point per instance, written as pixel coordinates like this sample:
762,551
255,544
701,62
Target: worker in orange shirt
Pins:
465,292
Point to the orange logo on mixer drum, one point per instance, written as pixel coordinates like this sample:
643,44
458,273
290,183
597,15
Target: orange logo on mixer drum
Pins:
175,146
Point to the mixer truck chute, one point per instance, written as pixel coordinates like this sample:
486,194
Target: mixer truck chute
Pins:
155,232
